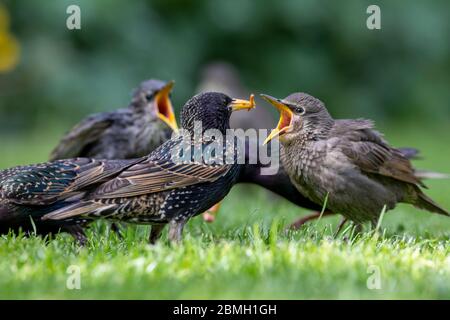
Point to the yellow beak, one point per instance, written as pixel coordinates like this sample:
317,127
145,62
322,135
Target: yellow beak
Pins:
285,117
240,104
164,106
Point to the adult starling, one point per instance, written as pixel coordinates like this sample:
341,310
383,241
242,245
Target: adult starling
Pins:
127,133
29,192
162,189
344,164
224,77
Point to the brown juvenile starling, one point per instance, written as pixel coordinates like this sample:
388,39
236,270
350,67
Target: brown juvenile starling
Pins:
281,185
160,190
127,133
409,153
343,164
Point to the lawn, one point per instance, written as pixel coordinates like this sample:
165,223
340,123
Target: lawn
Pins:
245,253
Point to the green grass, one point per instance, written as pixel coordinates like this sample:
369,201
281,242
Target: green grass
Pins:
246,253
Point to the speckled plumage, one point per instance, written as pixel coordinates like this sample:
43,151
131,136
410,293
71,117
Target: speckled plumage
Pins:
348,161
158,190
29,192
126,133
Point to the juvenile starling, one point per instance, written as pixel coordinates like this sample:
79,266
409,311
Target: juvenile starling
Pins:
281,185
127,133
344,164
409,153
160,190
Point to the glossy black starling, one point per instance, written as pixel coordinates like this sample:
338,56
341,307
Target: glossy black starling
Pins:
224,77
344,164
126,133
29,192
162,189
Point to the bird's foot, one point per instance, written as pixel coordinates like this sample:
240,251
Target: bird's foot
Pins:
155,233
117,230
300,222
176,230
78,233
340,226
211,213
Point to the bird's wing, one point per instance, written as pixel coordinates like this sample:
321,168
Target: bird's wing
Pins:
159,173
367,149
45,183
86,132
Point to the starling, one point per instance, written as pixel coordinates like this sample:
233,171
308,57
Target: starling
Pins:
126,133
409,153
343,164
29,192
224,77
281,185
161,189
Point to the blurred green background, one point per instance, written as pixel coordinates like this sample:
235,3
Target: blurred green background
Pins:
56,76
401,72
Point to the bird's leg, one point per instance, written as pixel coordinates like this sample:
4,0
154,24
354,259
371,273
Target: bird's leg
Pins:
176,230
116,229
210,214
300,222
155,233
78,233
358,228
341,225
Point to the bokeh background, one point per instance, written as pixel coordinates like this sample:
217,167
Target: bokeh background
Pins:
51,77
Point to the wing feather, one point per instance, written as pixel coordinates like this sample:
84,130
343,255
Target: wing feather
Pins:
159,173
367,149
83,134
45,183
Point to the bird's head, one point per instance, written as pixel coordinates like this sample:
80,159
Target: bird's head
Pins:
212,110
301,115
153,96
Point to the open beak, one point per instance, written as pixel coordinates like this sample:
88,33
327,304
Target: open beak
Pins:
165,108
285,121
240,104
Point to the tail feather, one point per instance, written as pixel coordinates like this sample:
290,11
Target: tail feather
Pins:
76,209
425,174
410,153
425,202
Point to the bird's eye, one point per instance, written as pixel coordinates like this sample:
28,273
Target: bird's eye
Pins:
149,96
299,110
